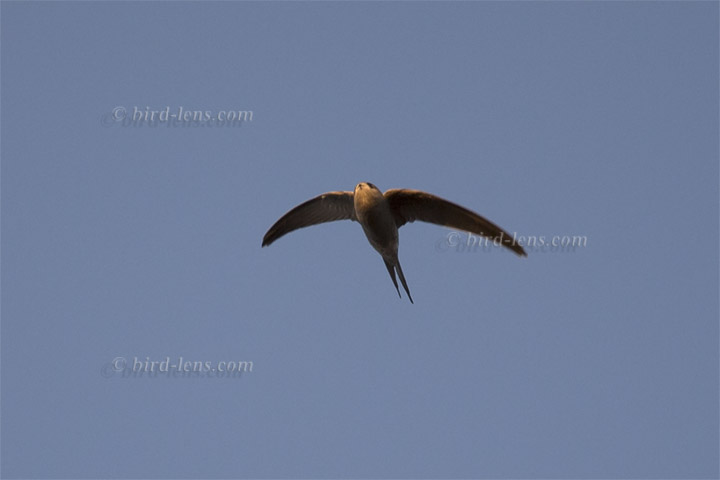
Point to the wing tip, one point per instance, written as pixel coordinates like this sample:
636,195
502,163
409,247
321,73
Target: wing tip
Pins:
510,243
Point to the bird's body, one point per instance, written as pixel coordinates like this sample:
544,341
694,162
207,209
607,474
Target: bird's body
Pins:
380,216
373,213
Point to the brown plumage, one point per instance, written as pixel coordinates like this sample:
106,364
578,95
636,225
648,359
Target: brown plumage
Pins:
380,216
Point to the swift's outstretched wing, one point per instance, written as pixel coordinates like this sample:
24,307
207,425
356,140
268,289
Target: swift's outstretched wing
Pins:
411,205
327,207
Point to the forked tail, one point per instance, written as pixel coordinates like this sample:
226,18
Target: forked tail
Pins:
391,270
402,279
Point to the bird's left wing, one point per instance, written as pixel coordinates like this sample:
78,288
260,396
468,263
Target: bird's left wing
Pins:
327,207
410,205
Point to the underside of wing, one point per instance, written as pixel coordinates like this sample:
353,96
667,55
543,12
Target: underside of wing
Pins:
327,207
411,205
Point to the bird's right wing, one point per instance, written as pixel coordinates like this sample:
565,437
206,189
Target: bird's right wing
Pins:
410,205
327,207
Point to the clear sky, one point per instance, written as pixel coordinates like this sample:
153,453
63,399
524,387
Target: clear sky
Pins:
120,241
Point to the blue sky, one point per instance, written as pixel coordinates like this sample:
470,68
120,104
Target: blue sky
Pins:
596,119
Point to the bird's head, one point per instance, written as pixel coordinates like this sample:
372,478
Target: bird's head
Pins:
363,185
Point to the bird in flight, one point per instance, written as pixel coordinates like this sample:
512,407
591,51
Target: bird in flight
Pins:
380,215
